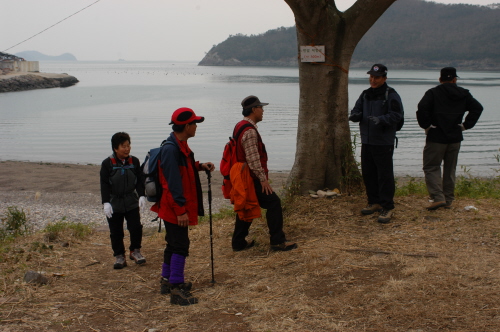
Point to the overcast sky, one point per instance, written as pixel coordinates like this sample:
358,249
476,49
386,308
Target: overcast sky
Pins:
140,29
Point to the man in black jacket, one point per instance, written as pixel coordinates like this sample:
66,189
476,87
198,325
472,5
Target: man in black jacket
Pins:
440,113
379,111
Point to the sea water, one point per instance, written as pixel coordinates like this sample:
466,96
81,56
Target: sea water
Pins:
75,124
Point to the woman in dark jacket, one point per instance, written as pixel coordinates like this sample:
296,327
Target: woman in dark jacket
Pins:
122,192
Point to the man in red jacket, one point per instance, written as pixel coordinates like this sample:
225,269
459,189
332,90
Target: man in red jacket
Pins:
251,150
181,202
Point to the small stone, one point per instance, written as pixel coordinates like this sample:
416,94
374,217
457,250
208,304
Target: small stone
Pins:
35,278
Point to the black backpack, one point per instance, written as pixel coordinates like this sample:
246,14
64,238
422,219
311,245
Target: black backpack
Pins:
402,121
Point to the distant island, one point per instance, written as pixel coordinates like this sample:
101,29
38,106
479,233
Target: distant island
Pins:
37,56
411,34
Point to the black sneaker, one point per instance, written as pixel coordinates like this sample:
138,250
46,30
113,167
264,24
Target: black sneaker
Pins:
285,246
179,294
165,286
247,246
120,262
385,216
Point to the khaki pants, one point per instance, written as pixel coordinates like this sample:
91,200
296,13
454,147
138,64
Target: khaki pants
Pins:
441,188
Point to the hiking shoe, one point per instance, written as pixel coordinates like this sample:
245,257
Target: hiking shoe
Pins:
120,262
137,256
448,205
436,205
385,216
179,294
165,286
247,246
371,208
285,246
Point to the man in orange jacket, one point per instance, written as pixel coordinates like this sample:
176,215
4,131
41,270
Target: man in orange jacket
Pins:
251,150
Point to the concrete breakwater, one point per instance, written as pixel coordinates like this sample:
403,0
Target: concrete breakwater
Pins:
31,81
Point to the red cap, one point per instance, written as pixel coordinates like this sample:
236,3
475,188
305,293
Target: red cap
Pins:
185,115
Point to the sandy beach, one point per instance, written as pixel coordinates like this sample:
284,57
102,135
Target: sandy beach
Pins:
49,192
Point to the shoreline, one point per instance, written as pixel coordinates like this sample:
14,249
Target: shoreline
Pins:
50,192
23,81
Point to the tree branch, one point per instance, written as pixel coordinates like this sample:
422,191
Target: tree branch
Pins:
377,251
363,14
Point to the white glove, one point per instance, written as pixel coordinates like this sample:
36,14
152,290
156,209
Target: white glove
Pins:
108,210
142,203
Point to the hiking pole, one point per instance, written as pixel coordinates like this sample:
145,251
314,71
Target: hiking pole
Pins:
209,177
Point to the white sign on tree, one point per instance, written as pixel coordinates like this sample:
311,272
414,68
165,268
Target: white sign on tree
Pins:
312,53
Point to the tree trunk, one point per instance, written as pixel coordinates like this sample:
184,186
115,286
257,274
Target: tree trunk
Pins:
324,157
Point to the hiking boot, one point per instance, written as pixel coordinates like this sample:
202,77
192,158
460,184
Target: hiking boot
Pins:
137,257
371,208
120,262
448,205
165,286
385,216
285,246
436,205
247,246
180,294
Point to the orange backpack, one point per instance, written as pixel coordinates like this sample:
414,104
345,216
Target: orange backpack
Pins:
229,159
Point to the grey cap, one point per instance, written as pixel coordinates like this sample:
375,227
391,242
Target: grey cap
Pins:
252,101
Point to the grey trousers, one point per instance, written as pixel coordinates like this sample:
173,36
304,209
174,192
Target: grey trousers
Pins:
441,188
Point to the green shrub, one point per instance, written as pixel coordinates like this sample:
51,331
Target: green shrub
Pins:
466,186
13,223
351,181
225,212
77,230
410,186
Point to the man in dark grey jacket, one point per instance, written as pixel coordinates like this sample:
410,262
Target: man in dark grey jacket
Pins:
440,113
379,111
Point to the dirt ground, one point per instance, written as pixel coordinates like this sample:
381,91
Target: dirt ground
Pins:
425,271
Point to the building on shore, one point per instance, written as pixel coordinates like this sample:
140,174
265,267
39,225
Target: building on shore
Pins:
11,63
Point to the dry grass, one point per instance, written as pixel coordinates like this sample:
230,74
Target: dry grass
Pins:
425,271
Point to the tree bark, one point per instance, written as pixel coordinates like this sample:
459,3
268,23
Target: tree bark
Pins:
324,156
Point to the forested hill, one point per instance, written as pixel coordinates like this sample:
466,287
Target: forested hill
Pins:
37,56
410,34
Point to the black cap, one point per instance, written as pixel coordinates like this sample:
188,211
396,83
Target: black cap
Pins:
378,70
252,101
448,74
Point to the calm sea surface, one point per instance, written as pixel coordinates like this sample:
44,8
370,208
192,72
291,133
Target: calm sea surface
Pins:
75,124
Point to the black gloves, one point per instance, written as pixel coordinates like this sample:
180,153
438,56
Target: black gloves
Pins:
356,117
375,119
